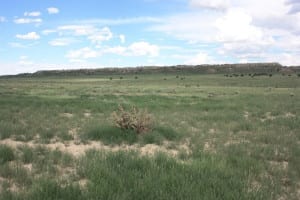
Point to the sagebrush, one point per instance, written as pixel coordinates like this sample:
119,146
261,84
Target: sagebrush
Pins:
135,119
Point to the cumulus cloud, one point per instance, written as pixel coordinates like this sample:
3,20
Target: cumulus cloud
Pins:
27,20
240,30
295,6
32,14
236,25
53,10
28,36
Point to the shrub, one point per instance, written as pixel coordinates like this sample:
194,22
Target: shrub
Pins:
6,154
137,120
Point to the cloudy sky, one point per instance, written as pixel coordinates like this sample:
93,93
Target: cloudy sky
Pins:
55,34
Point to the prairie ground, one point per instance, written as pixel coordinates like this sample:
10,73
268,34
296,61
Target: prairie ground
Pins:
214,137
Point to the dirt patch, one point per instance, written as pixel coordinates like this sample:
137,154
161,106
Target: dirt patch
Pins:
28,167
289,115
268,116
15,144
212,131
83,183
209,147
254,186
246,115
75,149
283,165
234,142
87,114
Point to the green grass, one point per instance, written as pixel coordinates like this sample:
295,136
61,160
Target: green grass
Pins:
6,154
233,138
112,135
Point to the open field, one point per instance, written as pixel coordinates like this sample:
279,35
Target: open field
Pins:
214,137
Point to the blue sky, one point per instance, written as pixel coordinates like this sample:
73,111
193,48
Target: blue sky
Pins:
56,34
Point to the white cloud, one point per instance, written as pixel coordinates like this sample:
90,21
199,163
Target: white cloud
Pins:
122,38
180,26
28,36
236,25
83,53
100,35
61,41
239,30
200,58
2,19
143,49
53,10
32,14
92,33
210,4
27,20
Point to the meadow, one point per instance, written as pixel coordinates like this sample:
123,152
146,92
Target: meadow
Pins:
214,137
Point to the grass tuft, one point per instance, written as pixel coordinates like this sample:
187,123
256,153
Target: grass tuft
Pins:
111,135
6,154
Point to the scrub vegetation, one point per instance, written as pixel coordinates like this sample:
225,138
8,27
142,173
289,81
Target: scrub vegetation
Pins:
212,136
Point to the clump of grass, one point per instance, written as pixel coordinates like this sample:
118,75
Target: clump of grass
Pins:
140,121
50,189
6,154
27,154
160,134
111,135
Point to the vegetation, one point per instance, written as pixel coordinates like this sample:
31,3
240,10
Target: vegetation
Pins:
212,137
255,68
140,121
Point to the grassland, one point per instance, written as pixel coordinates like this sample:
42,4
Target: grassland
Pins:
214,137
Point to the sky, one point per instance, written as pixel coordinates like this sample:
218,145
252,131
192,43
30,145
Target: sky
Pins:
72,34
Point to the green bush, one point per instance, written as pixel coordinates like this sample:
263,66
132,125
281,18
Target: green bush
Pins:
6,154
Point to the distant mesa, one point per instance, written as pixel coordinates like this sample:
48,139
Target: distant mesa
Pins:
247,68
